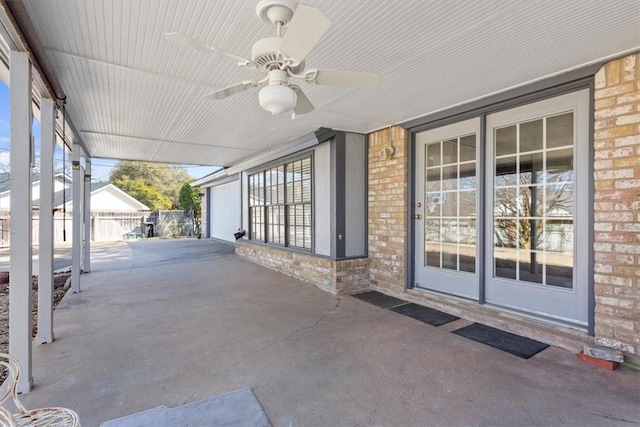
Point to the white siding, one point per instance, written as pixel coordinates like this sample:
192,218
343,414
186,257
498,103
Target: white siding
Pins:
224,211
108,200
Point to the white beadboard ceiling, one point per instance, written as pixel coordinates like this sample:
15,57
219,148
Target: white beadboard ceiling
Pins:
134,95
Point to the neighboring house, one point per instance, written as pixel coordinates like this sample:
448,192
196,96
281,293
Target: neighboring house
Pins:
60,181
105,197
114,213
485,211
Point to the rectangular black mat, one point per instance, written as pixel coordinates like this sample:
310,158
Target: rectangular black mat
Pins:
380,300
505,341
425,314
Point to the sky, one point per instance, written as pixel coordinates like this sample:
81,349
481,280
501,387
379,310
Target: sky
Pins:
100,168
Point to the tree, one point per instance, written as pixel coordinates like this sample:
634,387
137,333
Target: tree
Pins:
154,184
143,193
190,198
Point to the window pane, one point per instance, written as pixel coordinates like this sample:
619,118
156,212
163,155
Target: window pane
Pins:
306,191
450,204
505,173
467,204
560,130
433,179
505,233
506,202
529,266
468,148
560,165
559,200
433,204
531,136
559,269
467,176
467,245
433,154
450,152
450,177
306,168
505,263
275,221
531,168
506,140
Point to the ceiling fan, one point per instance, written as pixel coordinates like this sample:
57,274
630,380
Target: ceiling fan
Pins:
281,58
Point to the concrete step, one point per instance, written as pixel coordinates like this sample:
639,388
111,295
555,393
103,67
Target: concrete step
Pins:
239,407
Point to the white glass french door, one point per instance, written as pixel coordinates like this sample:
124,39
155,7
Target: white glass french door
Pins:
532,256
446,209
536,200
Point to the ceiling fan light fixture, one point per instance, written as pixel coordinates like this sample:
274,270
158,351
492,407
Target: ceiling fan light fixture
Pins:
277,98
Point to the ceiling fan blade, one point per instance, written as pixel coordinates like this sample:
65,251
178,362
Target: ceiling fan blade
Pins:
231,90
306,28
343,78
203,47
303,105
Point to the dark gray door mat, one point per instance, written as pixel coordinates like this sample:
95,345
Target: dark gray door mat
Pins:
379,299
505,341
425,314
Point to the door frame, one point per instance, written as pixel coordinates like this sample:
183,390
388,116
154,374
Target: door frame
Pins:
569,82
505,292
453,130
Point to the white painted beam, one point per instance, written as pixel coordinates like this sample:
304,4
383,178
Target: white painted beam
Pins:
21,251
87,216
76,229
45,251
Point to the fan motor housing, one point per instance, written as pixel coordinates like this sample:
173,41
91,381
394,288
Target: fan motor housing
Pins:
264,54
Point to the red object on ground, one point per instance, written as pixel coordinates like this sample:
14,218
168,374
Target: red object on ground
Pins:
607,364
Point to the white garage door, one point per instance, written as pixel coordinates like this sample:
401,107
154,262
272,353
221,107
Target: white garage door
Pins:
224,213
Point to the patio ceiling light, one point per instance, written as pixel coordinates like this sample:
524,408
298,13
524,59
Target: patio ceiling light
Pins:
277,98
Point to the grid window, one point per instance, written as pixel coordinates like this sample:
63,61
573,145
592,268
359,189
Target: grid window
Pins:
450,209
280,204
533,201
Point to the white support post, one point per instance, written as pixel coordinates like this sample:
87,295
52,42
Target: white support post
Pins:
45,251
76,232
87,216
21,251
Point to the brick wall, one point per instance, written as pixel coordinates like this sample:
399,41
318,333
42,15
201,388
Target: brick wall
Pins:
617,206
388,206
337,277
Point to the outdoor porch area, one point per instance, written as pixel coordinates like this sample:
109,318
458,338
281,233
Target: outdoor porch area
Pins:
168,322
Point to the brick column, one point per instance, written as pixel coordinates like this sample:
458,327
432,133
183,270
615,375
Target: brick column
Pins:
617,206
388,201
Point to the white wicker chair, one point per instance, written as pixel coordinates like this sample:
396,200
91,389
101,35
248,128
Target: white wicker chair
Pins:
41,417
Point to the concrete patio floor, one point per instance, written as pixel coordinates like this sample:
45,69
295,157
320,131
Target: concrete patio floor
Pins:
174,321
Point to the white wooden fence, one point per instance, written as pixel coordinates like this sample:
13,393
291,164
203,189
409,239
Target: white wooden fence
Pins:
105,226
